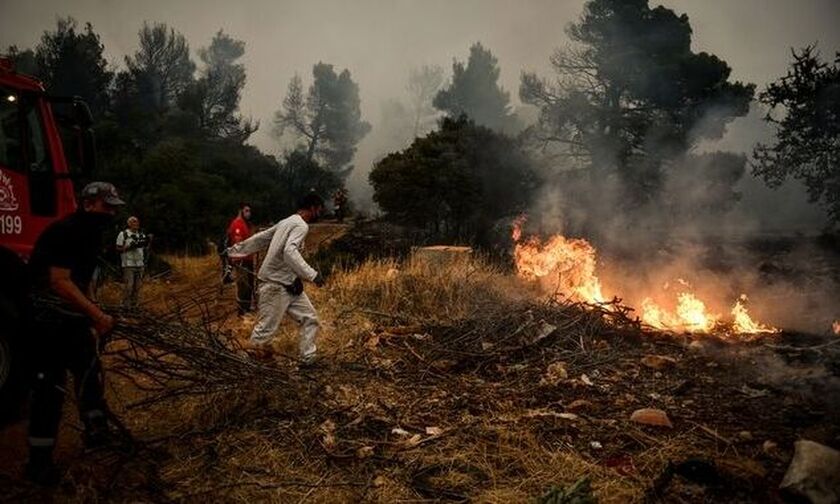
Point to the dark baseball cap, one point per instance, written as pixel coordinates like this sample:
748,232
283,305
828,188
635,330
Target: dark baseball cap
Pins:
104,190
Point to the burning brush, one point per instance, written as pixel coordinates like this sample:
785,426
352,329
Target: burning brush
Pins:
568,268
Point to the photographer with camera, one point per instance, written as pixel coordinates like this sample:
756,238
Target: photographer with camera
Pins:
132,244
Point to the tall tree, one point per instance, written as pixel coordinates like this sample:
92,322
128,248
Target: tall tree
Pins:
71,62
804,106
215,95
630,95
299,175
328,120
161,68
475,92
423,85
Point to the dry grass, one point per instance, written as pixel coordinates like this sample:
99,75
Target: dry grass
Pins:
420,290
331,437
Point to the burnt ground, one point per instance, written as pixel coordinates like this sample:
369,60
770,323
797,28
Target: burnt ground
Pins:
740,405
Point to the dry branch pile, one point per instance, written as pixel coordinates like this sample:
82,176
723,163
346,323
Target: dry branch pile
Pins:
168,357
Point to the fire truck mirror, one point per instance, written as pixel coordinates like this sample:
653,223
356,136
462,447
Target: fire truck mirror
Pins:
86,140
75,122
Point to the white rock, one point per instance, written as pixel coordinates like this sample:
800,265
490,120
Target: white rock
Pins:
814,473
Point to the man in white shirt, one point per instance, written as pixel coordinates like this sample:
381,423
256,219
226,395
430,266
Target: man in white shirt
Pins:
281,277
131,244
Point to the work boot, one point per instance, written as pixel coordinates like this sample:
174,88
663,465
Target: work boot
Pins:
97,439
260,351
98,433
227,275
310,364
40,468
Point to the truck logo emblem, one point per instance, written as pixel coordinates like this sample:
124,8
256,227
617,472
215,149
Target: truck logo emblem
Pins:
8,202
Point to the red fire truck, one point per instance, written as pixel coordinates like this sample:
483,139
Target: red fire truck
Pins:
46,144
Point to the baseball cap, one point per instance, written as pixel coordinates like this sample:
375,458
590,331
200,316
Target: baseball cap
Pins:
104,190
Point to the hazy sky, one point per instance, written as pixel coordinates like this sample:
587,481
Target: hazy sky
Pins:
380,40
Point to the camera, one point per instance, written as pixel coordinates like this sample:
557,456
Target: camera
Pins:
142,240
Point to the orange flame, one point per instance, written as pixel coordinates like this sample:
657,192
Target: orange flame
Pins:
836,327
517,228
690,315
572,263
743,323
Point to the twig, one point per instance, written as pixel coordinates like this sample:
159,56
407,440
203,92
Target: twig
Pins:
791,348
711,432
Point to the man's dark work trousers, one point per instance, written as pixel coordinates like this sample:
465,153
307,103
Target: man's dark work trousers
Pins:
62,343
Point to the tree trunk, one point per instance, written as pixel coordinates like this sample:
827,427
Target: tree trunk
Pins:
310,151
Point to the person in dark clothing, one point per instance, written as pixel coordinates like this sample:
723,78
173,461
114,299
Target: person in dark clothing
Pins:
66,327
340,204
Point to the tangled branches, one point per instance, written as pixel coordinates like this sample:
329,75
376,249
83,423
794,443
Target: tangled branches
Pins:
527,333
168,357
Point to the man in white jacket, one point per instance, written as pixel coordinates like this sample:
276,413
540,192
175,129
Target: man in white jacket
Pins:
281,277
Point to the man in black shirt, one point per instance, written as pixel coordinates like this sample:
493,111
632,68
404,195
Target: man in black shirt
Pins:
66,327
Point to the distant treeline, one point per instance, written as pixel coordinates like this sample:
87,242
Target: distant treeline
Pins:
606,142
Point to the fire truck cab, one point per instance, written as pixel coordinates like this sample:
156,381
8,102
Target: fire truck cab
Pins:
46,143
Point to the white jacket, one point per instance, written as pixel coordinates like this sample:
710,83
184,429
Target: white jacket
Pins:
283,262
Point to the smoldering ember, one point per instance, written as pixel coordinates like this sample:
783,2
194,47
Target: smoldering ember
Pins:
420,251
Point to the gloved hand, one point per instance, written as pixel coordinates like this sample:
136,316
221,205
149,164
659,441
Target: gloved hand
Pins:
319,280
227,274
103,325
